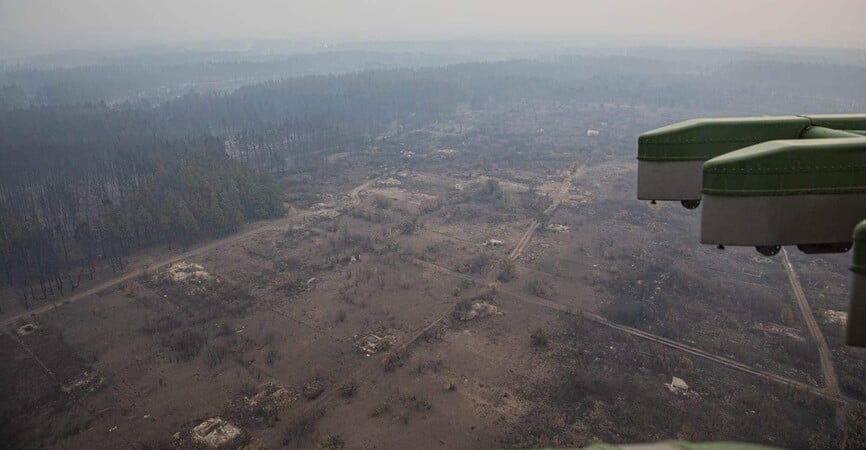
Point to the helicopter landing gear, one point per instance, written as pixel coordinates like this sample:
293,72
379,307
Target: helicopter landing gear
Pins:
690,204
769,250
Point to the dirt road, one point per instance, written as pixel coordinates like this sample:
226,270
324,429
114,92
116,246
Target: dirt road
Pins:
558,197
727,362
827,370
256,229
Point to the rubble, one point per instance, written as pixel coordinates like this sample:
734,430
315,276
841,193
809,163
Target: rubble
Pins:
313,389
493,243
478,310
270,397
389,182
559,228
677,385
188,273
835,317
217,433
87,382
371,344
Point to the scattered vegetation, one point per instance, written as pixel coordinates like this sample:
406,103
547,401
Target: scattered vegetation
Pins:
507,270
539,338
348,388
331,442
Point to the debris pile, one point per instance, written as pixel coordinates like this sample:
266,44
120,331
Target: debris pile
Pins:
772,328
389,182
313,389
677,385
184,272
477,310
493,243
834,317
371,344
271,396
559,228
87,382
218,433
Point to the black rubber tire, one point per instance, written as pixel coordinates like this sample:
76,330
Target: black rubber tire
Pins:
769,250
690,204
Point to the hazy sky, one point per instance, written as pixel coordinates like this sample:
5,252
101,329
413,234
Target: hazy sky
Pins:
41,25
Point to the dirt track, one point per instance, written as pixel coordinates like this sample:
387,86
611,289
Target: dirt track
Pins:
557,199
827,370
256,229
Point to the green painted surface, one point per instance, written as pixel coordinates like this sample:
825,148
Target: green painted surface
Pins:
839,121
860,248
702,139
856,333
824,166
826,133
681,445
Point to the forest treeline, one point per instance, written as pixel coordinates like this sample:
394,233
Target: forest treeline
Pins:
82,181
80,184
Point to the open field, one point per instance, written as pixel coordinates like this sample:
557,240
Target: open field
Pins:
475,284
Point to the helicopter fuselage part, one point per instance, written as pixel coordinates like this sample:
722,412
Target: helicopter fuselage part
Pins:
674,180
670,158
856,334
781,219
789,192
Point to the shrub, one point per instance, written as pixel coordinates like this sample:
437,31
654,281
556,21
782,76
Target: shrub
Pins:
348,388
407,226
536,288
271,357
507,269
216,354
539,337
381,409
297,429
186,344
392,360
381,202
331,442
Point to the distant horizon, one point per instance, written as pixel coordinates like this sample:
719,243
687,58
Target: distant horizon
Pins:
280,47
33,27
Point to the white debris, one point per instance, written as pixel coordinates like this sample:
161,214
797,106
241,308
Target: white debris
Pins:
478,310
215,433
371,343
559,228
188,272
493,243
835,317
678,386
590,132
389,182
87,381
